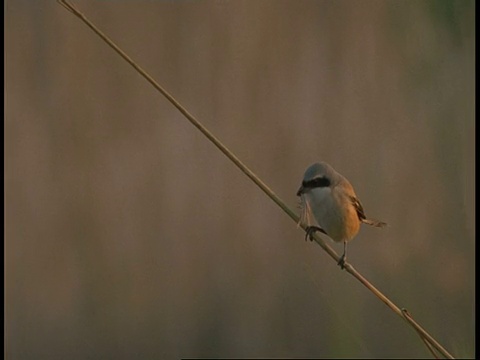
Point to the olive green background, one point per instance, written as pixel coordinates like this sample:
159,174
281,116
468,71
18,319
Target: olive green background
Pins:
130,236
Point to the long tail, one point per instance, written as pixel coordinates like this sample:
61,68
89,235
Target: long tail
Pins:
375,223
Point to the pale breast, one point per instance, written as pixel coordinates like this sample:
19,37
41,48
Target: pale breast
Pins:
337,217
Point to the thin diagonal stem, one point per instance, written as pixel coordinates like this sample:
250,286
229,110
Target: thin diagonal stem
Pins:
425,336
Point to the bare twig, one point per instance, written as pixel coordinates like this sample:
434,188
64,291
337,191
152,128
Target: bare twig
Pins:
408,317
429,341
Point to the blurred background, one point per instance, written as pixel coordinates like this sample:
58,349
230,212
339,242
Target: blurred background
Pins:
129,235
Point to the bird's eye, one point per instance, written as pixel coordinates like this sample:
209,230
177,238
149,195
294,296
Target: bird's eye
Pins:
317,182
322,182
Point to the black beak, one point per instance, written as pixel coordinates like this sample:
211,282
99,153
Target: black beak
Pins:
300,190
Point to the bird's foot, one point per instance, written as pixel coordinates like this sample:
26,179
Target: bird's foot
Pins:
310,230
342,261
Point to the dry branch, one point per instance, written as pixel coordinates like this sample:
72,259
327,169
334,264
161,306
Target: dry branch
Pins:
431,344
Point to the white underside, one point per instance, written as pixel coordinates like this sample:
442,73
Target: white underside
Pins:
333,214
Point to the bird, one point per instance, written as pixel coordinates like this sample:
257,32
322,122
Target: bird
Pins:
329,198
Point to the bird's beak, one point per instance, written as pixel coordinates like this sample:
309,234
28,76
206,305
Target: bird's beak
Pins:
300,190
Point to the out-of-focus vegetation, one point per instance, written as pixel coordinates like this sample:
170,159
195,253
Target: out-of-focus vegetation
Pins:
128,235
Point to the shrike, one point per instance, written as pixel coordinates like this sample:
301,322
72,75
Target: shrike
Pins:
330,199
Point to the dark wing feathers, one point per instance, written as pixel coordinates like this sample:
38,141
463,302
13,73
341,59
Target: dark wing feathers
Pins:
358,207
361,214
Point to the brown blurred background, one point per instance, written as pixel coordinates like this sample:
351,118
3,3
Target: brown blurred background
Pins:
129,235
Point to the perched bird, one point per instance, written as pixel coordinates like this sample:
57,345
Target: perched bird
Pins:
330,199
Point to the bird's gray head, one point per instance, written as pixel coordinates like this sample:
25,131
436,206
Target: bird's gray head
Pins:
318,175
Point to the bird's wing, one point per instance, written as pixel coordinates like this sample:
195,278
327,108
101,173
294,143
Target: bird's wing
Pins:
358,207
361,214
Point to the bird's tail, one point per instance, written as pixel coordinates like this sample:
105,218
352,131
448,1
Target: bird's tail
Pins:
375,223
